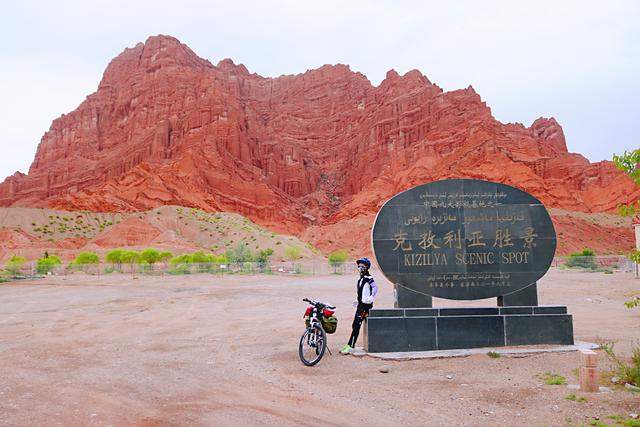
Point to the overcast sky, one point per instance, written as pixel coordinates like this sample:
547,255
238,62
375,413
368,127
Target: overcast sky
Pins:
576,61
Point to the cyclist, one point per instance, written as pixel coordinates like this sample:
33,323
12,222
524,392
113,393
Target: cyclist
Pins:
366,290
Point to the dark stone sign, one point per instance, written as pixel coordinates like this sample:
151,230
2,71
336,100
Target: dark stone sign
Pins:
464,239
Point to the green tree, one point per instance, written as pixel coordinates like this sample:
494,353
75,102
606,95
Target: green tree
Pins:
292,253
200,257
203,260
337,258
130,257
165,256
240,254
629,163
149,256
14,265
115,257
262,258
47,264
84,258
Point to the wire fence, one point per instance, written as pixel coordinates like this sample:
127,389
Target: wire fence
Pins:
307,268
606,264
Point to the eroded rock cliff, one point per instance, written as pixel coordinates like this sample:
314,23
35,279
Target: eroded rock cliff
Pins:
293,152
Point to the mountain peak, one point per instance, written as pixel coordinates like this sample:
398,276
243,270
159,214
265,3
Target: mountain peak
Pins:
155,53
290,152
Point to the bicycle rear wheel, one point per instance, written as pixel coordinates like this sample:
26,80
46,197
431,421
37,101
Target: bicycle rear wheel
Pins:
313,344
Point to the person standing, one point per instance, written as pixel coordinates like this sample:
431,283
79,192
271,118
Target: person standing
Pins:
366,291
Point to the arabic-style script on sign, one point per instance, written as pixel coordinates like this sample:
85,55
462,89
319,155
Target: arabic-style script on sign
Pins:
464,238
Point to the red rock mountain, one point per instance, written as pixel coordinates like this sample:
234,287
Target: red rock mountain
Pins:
314,154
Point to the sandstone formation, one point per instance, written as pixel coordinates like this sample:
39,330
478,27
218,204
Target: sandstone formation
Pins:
315,151
29,232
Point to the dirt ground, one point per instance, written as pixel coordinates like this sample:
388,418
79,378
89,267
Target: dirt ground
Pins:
205,350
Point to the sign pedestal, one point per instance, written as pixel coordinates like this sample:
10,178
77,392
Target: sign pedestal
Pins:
464,239
527,296
406,298
424,329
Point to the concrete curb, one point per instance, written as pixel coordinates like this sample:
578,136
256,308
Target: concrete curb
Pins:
521,351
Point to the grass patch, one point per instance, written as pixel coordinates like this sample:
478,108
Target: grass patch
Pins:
572,397
550,378
493,354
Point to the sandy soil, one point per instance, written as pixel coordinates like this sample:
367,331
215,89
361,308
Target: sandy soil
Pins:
206,350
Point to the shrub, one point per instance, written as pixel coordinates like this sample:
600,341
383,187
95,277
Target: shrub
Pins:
222,259
633,302
240,254
45,265
628,373
180,259
584,259
180,269
14,265
200,257
204,261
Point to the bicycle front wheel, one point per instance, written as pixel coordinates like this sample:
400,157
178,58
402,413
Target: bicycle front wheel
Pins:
313,344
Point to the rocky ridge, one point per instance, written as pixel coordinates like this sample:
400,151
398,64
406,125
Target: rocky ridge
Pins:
300,153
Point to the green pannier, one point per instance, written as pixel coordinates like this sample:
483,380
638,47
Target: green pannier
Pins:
330,324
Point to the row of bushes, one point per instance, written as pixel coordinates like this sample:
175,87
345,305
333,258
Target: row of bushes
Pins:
241,254
14,266
583,259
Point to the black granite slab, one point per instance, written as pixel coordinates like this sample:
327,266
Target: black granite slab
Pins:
470,331
469,311
385,334
406,298
421,312
541,329
527,296
516,310
428,329
386,312
550,309
463,239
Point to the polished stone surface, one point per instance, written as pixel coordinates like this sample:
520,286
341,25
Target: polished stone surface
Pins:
396,330
464,239
526,296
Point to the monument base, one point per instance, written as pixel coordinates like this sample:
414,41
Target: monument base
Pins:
423,329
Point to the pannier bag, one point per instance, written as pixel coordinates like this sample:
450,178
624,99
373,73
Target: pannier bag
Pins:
330,324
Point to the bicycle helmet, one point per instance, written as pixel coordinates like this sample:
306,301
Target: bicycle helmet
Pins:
364,261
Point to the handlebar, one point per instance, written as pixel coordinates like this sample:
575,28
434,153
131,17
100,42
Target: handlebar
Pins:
317,303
